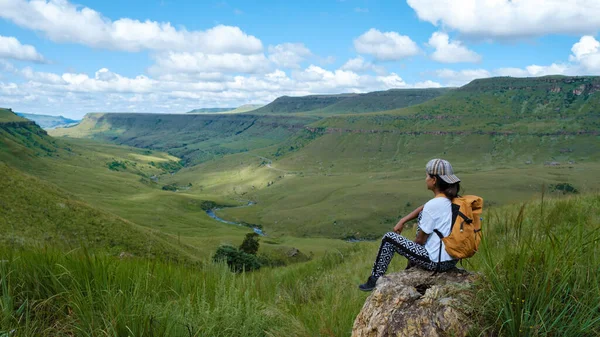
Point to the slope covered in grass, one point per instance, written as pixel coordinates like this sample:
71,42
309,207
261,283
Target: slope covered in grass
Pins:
36,213
193,137
383,100
350,103
7,115
289,104
539,266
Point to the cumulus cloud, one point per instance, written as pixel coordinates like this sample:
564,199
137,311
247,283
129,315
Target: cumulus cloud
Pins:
360,65
511,18
460,77
11,48
202,64
447,51
76,93
62,21
388,46
288,55
586,52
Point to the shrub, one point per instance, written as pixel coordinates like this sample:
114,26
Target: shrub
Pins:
238,261
564,188
116,165
170,187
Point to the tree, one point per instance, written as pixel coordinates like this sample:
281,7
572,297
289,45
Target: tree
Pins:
250,244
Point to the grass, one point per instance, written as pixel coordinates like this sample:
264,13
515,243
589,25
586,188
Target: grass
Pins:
540,269
7,115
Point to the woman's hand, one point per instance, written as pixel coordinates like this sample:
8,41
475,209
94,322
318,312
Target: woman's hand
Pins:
399,227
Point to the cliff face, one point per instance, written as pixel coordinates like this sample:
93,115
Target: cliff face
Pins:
416,303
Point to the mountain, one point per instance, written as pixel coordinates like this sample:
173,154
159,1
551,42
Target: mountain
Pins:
240,109
193,137
351,103
49,122
383,100
287,104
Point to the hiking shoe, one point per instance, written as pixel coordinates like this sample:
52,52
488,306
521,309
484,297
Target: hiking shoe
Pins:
370,285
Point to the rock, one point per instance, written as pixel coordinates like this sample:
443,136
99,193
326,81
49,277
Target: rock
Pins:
416,303
125,255
293,252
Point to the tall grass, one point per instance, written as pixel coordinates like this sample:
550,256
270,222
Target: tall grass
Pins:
50,293
542,269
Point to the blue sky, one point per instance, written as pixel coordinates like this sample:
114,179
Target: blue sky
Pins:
68,58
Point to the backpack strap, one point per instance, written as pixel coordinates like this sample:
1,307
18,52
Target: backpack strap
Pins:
439,263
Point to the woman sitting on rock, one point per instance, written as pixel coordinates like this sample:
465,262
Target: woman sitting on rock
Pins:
436,214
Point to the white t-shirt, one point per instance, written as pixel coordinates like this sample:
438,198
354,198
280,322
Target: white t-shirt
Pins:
436,214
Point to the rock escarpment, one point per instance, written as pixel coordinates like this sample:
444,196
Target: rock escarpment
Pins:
416,303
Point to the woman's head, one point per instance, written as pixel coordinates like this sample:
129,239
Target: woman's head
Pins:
441,178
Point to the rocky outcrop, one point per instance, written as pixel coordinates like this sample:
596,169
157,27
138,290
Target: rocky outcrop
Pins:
416,303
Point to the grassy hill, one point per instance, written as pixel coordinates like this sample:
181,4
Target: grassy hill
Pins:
288,105
194,138
351,103
47,121
7,115
34,213
383,100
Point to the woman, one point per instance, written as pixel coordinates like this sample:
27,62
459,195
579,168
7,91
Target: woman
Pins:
436,214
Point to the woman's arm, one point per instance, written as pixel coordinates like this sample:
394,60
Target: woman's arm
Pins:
412,215
421,238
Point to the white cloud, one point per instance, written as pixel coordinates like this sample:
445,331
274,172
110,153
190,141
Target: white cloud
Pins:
458,78
447,51
361,10
288,55
201,63
74,94
388,46
511,18
586,52
427,84
62,21
11,48
359,65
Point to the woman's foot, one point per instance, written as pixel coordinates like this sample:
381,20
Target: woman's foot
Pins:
370,285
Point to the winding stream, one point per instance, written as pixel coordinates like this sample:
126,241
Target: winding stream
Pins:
211,213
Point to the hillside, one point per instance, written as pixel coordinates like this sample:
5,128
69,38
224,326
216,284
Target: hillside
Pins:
37,213
194,137
383,100
7,115
47,121
351,103
288,105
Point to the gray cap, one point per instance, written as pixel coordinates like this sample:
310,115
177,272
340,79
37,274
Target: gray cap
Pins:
443,169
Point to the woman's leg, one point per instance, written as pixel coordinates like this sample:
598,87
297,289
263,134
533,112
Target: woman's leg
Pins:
396,243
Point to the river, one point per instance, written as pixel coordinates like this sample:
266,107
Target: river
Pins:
211,213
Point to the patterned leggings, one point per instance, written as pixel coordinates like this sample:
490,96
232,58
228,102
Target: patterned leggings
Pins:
415,253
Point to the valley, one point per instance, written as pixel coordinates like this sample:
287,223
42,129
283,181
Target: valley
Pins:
317,175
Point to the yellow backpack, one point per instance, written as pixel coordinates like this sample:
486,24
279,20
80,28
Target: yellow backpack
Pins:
465,233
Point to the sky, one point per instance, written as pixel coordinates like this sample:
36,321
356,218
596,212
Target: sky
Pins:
61,57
